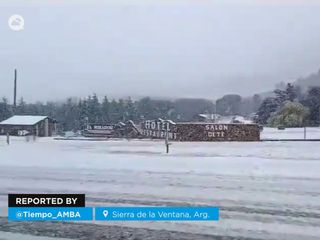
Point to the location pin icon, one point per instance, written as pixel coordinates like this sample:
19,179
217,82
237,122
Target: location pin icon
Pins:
105,213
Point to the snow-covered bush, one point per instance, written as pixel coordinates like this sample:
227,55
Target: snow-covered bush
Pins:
292,114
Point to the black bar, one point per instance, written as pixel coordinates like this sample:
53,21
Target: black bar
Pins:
46,200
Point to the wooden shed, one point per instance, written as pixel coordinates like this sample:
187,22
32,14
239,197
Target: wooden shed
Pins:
41,126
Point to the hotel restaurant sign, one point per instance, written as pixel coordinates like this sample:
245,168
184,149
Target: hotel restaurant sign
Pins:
159,129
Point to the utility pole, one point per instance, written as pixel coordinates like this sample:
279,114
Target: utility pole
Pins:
319,116
15,90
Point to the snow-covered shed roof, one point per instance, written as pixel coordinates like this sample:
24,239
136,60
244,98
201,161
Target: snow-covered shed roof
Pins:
216,118
23,120
209,116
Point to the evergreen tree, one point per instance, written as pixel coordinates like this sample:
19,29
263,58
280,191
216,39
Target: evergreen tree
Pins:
267,108
21,108
145,108
67,115
281,96
5,109
312,101
256,99
105,110
130,110
289,94
83,113
50,109
121,110
94,109
291,91
115,114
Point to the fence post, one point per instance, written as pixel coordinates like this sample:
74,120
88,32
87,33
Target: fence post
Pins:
319,116
167,142
8,138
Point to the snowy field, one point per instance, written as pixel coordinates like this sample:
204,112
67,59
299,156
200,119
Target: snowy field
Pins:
291,133
266,190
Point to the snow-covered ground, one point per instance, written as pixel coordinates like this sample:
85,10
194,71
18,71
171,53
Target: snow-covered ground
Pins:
19,236
266,190
291,133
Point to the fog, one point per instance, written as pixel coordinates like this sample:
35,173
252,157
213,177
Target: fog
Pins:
166,49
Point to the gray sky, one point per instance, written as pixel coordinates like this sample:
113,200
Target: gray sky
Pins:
176,48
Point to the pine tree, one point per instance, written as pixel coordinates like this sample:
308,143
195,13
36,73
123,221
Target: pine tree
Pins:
94,109
291,92
130,110
312,101
105,110
21,108
121,110
281,96
5,109
83,113
115,116
256,99
146,109
267,108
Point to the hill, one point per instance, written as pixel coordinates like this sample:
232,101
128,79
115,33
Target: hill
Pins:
310,81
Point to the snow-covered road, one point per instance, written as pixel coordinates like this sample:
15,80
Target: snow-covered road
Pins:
266,190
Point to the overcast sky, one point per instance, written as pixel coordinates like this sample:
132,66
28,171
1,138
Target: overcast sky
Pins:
176,48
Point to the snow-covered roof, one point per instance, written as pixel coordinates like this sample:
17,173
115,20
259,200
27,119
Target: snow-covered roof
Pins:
216,118
23,120
209,116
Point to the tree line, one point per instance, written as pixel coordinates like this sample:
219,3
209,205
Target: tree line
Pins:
73,114
291,107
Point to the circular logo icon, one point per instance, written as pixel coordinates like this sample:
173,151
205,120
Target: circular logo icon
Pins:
16,23
19,215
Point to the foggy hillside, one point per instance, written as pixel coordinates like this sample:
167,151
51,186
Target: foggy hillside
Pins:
312,80
309,81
